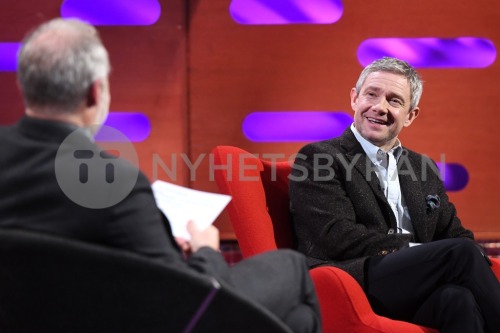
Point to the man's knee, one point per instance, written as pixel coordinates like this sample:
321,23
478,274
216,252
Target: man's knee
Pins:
304,318
464,250
467,246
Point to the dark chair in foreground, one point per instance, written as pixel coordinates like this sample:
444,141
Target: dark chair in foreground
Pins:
49,284
260,216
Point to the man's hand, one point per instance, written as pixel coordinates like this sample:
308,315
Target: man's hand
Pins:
199,238
183,245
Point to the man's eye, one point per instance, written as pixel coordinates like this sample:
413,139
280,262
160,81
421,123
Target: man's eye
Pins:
396,101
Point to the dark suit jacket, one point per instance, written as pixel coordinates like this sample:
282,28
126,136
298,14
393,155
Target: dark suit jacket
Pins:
341,215
30,198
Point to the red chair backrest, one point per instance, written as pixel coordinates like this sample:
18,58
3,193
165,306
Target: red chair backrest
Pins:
259,209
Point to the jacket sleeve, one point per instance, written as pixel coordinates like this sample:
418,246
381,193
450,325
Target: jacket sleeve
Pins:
210,262
138,225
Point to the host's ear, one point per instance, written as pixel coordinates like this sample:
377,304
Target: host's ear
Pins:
412,115
93,93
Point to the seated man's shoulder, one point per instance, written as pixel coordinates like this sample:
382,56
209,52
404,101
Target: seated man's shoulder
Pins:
413,155
325,146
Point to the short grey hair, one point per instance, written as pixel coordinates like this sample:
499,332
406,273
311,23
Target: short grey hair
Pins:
396,66
57,64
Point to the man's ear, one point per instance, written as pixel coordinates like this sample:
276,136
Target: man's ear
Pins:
412,115
93,93
354,97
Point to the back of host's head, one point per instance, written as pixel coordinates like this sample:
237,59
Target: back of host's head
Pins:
57,64
396,66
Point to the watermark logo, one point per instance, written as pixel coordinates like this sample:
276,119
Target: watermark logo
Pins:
93,176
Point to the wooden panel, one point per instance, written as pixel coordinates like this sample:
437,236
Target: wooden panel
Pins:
237,69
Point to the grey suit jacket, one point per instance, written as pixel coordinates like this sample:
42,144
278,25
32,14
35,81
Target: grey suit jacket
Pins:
341,215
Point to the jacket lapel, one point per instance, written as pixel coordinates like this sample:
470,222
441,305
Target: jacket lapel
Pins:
411,189
355,154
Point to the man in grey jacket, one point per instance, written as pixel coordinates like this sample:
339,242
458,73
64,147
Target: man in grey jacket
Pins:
366,204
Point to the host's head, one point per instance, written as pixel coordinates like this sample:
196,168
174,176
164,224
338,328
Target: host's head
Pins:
63,70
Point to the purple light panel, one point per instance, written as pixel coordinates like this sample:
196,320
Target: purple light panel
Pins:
8,56
286,11
135,126
454,175
295,126
463,52
113,12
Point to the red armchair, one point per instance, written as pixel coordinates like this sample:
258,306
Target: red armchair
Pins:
259,214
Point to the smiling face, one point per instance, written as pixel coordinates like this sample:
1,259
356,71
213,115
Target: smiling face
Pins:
382,108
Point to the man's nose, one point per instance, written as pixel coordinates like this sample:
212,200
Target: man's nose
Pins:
381,106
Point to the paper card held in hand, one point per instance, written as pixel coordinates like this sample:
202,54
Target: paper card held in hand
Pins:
181,204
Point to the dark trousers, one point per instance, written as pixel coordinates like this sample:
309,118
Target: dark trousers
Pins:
446,284
280,281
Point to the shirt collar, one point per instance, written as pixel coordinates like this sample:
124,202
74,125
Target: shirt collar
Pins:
374,153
